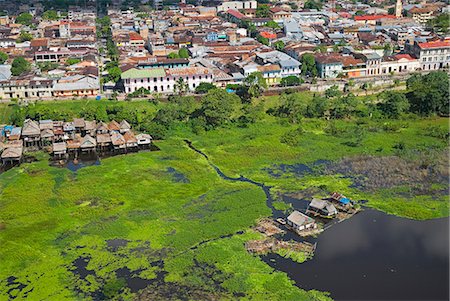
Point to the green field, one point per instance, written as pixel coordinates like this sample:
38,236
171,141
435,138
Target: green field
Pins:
167,219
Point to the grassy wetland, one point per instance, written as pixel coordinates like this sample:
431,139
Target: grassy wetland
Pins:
163,225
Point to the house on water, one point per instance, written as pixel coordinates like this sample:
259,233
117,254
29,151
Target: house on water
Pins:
31,133
301,222
322,207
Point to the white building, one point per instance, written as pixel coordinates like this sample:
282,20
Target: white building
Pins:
432,55
237,5
164,80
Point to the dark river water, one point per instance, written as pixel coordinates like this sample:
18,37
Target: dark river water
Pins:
375,256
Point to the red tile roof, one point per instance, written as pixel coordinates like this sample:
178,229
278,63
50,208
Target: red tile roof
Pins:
435,44
235,14
404,56
268,35
373,17
134,36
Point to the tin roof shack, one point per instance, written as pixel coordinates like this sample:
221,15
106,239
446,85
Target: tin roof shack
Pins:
322,207
88,144
301,222
114,126
15,134
102,128
79,124
124,126
144,140
118,141
69,130
47,137
45,125
73,145
31,133
130,140
12,153
90,128
58,130
59,149
103,141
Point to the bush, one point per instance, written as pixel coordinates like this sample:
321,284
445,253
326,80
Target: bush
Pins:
292,137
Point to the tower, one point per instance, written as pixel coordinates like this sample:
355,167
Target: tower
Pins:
398,8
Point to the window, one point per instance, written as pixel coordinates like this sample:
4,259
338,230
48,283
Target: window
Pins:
155,79
200,77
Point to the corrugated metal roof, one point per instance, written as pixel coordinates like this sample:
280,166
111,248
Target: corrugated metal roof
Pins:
134,73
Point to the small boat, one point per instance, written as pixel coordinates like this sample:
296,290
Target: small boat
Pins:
281,221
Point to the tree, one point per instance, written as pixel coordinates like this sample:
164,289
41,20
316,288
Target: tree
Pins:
173,55
318,107
24,19
291,80
72,61
20,66
262,11
204,87
279,45
180,87
114,74
440,24
255,84
428,94
50,15
24,36
332,92
343,107
218,107
310,4
183,53
293,107
309,65
3,57
273,24
263,40
393,104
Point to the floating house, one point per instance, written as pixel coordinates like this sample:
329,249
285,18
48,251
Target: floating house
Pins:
59,149
47,136
144,140
15,134
102,128
31,133
90,127
114,126
323,207
88,144
103,141
341,199
79,124
118,141
124,126
12,153
130,140
301,222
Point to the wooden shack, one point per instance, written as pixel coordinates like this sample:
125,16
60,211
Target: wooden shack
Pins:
124,126
59,149
58,130
79,124
90,128
322,207
144,140
102,128
113,126
45,124
31,133
12,154
69,130
301,222
73,145
118,142
130,140
47,136
103,141
88,144
15,134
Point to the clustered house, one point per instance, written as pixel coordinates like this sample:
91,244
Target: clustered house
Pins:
62,138
322,207
301,222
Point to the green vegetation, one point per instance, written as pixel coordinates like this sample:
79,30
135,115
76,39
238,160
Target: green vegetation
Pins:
294,255
24,19
20,66
262,11
72,61
3,57
24,37
50,15
204,87
182,53
193,227
440,24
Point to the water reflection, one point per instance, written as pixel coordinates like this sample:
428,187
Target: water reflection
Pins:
374,256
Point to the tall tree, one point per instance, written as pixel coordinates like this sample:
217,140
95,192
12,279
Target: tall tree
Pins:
393,104
255,84
24,19
309,65
20,66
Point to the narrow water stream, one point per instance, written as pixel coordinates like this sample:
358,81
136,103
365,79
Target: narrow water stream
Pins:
371,256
